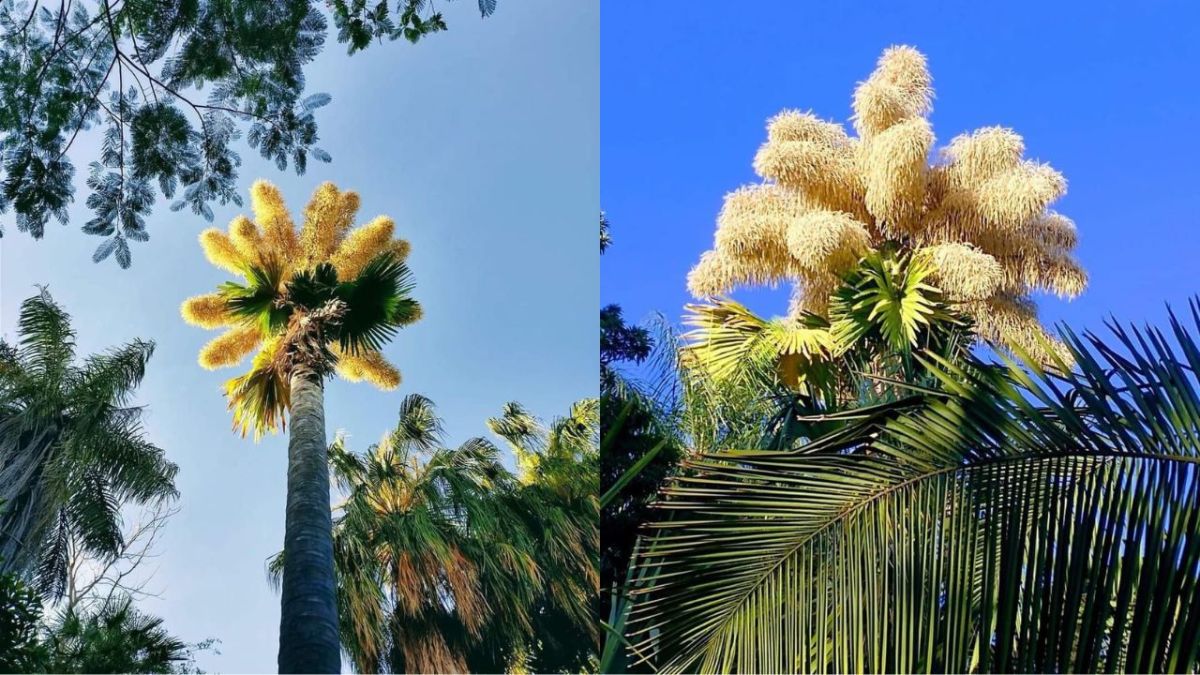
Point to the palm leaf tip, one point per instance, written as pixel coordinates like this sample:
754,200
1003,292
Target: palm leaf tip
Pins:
206,311
407,312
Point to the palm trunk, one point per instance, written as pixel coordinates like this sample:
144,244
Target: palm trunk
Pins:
308,624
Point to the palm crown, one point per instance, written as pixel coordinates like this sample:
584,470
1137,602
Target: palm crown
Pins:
322,297
979,214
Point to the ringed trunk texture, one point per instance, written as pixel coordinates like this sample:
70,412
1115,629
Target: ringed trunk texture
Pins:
308,623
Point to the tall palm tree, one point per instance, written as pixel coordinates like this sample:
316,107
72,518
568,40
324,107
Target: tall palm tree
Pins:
1015,518
72,447
313,301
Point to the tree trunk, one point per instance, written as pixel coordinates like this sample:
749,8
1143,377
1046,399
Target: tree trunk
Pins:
308,624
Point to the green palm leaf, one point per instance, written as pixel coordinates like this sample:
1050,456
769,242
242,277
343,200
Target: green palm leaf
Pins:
1023,520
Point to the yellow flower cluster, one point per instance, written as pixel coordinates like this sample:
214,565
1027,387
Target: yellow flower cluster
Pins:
271,239
979,208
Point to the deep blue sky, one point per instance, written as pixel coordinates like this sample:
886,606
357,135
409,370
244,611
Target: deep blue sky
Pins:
1106,93
483,144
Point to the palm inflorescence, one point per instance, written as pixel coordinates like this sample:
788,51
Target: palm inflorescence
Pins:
979,213
322,296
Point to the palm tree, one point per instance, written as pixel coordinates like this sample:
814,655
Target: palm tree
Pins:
447,562
312,302
116,638
72,447
419,530
980,213
1015,518
559,471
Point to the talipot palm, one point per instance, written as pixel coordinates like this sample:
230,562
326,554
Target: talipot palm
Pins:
980,212
312,301
1015,519
72,448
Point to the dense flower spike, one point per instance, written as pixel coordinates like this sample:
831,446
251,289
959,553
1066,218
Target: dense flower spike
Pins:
229,348
206,311
326,219
980,210
361,246
369,366
221,252
271,213
269,253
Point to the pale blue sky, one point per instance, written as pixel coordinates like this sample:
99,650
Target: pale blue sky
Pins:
483,144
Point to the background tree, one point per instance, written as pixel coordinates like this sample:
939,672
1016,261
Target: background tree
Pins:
136,68
979,215
94,583
640,449
116,638
448,562
72,448
322,299
558,504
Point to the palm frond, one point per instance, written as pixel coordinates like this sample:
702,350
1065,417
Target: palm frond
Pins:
1021,520
260,398
379,301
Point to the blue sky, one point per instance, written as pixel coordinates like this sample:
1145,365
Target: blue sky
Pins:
1104,92
483,144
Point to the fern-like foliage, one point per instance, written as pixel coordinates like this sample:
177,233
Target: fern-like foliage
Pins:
72,447
1013,519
